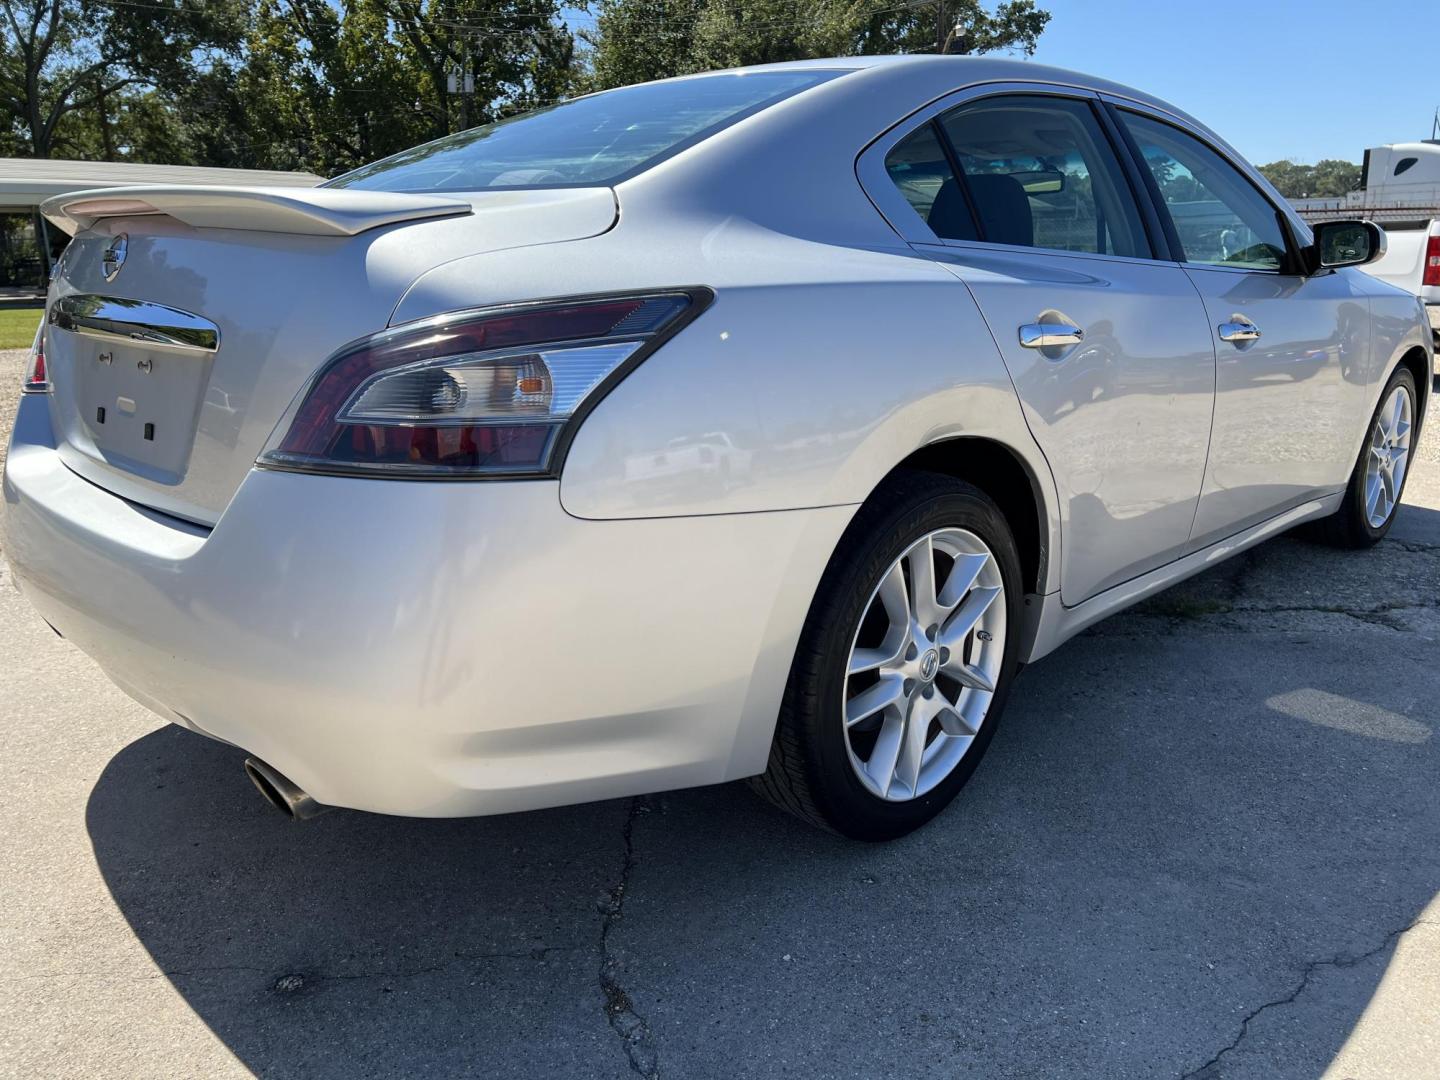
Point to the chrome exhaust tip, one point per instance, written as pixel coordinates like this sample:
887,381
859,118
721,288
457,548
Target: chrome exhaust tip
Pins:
281,793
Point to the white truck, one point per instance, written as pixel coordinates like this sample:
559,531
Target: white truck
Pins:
1400,191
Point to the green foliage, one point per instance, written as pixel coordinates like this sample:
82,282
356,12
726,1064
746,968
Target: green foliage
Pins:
636,40
62,57
321,89
327,88
285,84
1327,179
640,40
325,85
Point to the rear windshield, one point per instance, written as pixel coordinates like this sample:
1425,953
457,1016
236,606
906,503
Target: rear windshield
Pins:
600,139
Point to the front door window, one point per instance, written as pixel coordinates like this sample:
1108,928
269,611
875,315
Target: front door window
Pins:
1220,216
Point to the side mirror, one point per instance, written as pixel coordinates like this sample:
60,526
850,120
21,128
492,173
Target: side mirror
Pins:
1344,243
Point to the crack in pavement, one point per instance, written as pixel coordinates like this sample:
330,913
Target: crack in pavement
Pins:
1415,547
1230,586
619,1009
1374,615
1210,1070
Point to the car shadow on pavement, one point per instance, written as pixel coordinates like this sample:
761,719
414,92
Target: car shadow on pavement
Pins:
1192,817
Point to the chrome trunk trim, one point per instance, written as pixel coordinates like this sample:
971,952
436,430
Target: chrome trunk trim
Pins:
116,319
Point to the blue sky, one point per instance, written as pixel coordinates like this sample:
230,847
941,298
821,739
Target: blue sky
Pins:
1303,79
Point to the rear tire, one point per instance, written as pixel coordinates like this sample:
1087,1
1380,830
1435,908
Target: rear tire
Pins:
1365,515
949,666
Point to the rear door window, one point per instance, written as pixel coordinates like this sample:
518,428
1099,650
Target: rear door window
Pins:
920,169
1034,171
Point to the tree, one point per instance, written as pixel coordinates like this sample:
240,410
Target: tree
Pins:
322,85
325,85
959,27
322,88
637,40
328,86
1327,179
1333,177
61,57
517,53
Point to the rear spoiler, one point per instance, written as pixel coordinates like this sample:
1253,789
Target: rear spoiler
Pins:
307,211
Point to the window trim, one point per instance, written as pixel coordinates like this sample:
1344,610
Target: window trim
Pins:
942,138
1167,239
875,179
1117,106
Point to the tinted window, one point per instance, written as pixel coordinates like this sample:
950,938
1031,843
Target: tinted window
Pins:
918,167
1405,164
1221,217
592,140
1039,172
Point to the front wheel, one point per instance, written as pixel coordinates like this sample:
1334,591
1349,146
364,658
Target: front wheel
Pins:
904,662
1378,480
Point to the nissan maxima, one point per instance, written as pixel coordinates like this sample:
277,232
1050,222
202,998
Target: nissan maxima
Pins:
755,424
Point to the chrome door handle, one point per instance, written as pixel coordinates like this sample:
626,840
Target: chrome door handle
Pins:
1239,330
1050,335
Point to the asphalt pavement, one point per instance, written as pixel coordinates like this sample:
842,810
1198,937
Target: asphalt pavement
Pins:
1203,844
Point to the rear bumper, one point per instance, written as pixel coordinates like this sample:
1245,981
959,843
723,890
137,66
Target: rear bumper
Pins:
429,649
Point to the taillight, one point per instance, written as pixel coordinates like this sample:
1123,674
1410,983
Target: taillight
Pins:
1432,262
475,393
37,379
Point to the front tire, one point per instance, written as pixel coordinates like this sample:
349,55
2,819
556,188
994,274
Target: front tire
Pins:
1378,480
904,662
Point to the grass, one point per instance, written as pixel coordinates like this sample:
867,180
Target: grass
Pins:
17,327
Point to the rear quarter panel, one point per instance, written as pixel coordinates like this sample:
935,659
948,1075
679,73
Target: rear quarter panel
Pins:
816,370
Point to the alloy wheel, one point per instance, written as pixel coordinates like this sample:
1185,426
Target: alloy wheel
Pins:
1389,457
924,664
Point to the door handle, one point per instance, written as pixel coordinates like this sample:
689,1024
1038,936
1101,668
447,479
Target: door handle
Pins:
1050,335
1239,330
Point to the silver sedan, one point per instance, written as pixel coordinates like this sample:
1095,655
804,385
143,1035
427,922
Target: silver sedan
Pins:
759,424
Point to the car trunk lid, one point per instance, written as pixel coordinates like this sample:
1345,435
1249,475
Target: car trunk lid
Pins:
182,323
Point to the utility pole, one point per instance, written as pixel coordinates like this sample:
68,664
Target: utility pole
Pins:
951,38
463,83
467,82
102,109
467,93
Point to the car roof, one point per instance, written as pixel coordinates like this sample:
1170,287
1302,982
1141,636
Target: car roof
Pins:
791,166
963,71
